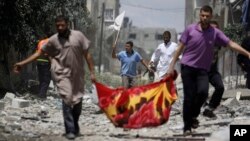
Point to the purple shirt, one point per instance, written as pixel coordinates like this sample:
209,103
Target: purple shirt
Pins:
198,51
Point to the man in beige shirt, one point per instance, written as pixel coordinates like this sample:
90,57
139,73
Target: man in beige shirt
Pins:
66,50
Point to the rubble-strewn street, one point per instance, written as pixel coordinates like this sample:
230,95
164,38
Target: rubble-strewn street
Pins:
28,118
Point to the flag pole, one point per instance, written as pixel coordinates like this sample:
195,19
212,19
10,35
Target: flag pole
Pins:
117,36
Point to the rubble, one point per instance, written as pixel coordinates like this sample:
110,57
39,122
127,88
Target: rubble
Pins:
42,120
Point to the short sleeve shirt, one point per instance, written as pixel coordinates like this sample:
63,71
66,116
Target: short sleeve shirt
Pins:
129,62
67,64
199,45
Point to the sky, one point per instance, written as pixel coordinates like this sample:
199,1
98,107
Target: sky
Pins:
155,13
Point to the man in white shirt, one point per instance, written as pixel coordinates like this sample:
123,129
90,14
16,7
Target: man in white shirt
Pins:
163,55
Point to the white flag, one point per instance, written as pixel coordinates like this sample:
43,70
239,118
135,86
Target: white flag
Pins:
118,22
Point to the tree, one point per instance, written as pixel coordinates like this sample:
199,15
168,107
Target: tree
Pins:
23,23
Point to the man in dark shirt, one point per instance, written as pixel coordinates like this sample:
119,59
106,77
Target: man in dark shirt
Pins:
215,80
243,61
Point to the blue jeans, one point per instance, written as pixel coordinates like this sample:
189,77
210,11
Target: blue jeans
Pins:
195,86
71,117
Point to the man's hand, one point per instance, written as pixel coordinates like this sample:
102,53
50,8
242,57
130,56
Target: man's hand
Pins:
17,68
150,69
92,77
170,72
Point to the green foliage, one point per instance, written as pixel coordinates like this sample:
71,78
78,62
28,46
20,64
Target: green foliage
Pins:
24,22
234,32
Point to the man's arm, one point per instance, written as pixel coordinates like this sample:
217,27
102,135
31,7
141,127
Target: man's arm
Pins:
90,63
175,58
18,66
146,66
239,49
155,57
114,51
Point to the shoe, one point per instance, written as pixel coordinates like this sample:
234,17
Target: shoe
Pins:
187,132
70,136
209,113
195,123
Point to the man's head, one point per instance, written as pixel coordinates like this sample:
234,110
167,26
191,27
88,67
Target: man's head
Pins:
166,36
128,46
62,25
206,14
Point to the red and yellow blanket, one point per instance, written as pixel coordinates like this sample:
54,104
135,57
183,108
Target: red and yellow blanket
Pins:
138,107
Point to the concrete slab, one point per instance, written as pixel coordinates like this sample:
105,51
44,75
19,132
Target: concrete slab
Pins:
245,93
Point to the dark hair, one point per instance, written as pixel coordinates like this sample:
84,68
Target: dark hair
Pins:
167,33
207,8
61,18
130,43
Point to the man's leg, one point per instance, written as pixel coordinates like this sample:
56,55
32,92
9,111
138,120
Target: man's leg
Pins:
216,81
248,79
125,82
76,114
188,76
131,81
68,118
44,78
202,91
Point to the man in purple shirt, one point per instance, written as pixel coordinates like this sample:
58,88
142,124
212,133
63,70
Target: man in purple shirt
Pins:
196,44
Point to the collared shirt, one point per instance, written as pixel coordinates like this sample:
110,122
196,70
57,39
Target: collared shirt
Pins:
67,64
129,62
163,56
199,45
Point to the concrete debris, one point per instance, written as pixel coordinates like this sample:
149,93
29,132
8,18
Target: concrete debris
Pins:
28,118
2,105
20,103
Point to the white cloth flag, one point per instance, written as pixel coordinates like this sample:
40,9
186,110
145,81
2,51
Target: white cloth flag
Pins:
118,22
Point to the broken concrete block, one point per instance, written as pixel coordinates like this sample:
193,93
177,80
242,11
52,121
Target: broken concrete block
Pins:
20,103
231,102
9,96
12,118
1,105
238,95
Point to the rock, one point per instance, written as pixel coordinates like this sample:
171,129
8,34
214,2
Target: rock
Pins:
222,135
9,97
20,103
2,105
231,102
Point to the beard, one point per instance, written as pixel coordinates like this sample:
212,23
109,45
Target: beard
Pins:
205,24
64,34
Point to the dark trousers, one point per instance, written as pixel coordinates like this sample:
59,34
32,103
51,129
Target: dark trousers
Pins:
71,117
128,81
216,81
248,77
44,76
195,86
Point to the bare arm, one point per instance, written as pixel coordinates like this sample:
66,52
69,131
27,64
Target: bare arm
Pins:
114,51
146,66
175,58
18,66
90,63
239,49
